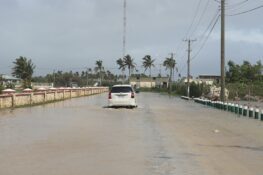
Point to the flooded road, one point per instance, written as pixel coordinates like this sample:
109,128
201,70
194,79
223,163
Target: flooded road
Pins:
163,136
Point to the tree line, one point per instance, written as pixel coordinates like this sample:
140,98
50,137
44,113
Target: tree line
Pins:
24,68
244,73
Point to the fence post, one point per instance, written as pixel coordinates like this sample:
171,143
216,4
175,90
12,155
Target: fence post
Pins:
13,100
240,110
245,111
232,107
250,112
257,114
236,108
31,98
55,95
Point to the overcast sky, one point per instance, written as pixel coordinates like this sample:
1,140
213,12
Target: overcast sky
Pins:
73,34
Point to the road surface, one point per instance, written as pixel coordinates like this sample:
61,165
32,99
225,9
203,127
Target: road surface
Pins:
163,136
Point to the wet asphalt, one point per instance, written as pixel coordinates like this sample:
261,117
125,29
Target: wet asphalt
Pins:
163,136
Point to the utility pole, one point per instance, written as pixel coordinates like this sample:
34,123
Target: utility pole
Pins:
87,77
171,75
188,65
124,35
172,78
222,93
54,78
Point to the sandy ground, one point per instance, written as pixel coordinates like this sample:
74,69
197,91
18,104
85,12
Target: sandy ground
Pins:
163,136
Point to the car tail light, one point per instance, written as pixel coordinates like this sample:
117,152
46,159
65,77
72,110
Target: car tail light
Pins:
109,95
132,95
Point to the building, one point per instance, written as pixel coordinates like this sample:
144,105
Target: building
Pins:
203,79
209,79
147,82
7,79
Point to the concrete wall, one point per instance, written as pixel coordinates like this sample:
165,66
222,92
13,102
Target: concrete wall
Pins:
6,101
23,99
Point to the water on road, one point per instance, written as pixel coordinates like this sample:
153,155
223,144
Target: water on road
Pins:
163,136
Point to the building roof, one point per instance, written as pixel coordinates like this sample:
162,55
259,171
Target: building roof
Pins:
8,77
148,79
208,76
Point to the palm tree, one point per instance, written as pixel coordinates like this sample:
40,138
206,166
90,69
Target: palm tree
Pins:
23,69
120,62
88,76
148,64
170,63
129,63
99,68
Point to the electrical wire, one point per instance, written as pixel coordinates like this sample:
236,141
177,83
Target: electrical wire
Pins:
233,6
181,69
180,44
247,11
195,15
201,17
202,36
202,46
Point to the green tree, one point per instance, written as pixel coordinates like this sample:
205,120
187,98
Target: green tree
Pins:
24,69
99,68
129,63
148,64
234,73
169,64
1,84
258,70
244,73
121,65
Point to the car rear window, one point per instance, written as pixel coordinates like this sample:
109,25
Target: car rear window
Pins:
121,89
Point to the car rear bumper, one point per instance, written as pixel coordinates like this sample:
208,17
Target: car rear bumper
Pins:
130,102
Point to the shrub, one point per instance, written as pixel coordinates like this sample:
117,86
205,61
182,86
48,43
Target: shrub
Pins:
1,88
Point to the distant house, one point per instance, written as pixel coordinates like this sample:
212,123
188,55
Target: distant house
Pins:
36,85
147,82
209,79
203,79
7,79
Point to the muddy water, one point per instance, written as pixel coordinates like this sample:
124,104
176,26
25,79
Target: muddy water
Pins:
163,136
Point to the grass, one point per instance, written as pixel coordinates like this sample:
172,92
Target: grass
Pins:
241,89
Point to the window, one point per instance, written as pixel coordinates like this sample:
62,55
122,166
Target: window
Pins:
123,89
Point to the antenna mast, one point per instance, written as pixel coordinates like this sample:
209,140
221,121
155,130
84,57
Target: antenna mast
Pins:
124,28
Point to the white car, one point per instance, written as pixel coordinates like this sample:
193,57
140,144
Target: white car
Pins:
122,95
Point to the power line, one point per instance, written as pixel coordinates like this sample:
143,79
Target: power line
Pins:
201,17
234,6
182,68
212,26
247,11
202,46
180,44
195,15
209,25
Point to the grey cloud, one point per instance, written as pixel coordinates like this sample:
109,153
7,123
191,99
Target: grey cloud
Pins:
65,34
